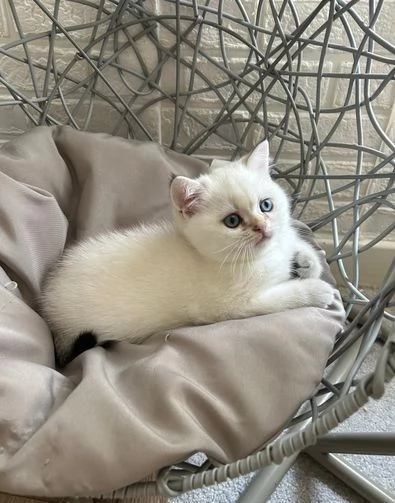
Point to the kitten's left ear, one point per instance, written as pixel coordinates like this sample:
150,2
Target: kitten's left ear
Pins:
258,159
184,193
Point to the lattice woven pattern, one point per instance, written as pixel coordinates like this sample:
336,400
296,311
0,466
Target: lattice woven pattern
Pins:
212,78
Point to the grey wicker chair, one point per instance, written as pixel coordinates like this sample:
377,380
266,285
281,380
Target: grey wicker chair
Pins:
211,78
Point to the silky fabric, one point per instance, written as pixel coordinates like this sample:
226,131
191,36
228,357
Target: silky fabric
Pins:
115,415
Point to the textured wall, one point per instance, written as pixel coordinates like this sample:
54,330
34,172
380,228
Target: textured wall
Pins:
324,97
332,92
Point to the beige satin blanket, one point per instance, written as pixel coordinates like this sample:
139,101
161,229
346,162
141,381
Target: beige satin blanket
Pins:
115,415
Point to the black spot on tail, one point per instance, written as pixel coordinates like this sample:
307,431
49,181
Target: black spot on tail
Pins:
108,344
85,341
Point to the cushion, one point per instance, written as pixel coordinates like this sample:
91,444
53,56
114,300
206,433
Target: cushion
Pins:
116,414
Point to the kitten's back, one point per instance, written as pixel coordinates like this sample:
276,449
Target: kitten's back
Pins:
127,286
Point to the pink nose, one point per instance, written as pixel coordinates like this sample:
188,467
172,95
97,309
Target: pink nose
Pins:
262,228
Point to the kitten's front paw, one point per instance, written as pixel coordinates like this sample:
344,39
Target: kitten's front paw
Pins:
321,294
307,265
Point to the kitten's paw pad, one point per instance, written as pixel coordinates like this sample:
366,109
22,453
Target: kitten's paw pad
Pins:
320,292
307,265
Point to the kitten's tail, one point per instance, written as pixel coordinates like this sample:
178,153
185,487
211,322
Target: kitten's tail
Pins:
65,352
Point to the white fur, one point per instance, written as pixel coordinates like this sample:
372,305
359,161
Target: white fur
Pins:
129,285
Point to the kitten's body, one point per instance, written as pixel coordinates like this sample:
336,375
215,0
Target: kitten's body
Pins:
132,284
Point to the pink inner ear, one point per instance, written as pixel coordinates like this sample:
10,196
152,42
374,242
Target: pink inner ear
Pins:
190,205
185,195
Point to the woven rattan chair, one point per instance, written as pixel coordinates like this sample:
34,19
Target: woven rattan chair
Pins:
211,78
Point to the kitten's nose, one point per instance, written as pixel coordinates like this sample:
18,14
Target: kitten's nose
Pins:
262,227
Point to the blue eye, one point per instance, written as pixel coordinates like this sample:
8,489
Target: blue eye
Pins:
232,221
266,205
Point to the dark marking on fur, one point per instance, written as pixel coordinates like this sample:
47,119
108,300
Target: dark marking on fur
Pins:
108,344
85,340
294,269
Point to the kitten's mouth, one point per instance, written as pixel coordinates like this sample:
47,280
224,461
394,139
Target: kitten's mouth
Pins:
260,241
261,238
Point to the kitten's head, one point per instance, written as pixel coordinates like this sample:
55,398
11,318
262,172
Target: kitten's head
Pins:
233,212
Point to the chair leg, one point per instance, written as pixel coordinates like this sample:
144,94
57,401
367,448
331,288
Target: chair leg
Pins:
265,482
380,444
361,484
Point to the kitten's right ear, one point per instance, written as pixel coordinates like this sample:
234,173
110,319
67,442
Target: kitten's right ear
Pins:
258,159
184,193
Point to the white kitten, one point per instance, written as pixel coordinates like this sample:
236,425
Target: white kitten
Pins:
229,254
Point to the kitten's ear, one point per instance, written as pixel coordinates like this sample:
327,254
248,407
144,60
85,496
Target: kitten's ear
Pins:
184,193
258,159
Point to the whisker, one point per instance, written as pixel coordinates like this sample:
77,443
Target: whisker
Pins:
233,246
237,255
250,260
244,263
226,247
248,256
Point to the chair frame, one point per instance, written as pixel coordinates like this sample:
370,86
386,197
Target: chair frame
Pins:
271,78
